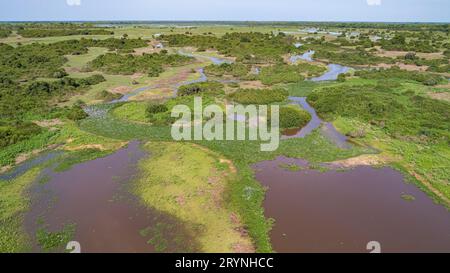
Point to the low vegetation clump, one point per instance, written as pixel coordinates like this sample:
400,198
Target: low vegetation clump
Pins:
151,64
404,116
401,43
259,96
248,48
208,87
11,133
236,70
352,57
14,203
76,113
4,33
397,73
107,96
18,102
293,117
279,74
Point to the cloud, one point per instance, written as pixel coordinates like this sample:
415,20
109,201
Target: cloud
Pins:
374,2
73,2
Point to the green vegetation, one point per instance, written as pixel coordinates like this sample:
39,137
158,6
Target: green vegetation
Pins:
408,197
397,73
13,133
403,116
280,74
14,203
40,32
258,96
54,241
352,57
108,96
249,48
201,88
207,185
171,182
293,117
236,70
151,64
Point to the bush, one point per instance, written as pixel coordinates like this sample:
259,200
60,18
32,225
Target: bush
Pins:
13,133
404,115
154,108
259,96
293,117
108,96
279,74
202,87
76,113
235,70
396,72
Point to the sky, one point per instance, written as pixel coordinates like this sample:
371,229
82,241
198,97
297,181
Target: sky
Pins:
227,10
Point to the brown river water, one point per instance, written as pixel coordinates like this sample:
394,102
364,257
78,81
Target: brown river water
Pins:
337,211
93,195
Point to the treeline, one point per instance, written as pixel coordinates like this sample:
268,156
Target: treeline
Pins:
42,32
395,72
151,64
405,116
249,48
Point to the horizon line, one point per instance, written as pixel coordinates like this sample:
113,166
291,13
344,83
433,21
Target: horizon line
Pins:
224,21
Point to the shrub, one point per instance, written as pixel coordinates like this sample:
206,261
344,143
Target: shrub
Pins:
202,87
293,117
259,96
154,108
76,113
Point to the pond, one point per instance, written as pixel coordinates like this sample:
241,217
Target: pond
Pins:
95,197
341,211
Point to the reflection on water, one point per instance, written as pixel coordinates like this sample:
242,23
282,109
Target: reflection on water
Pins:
307,56
338,211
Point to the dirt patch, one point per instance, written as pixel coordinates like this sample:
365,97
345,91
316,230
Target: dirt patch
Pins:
87,146
395,54
408,67
154,94
252,85
440,96
121,90
25,156
137,75
363,160
241,247
49,123
72,69
429,186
